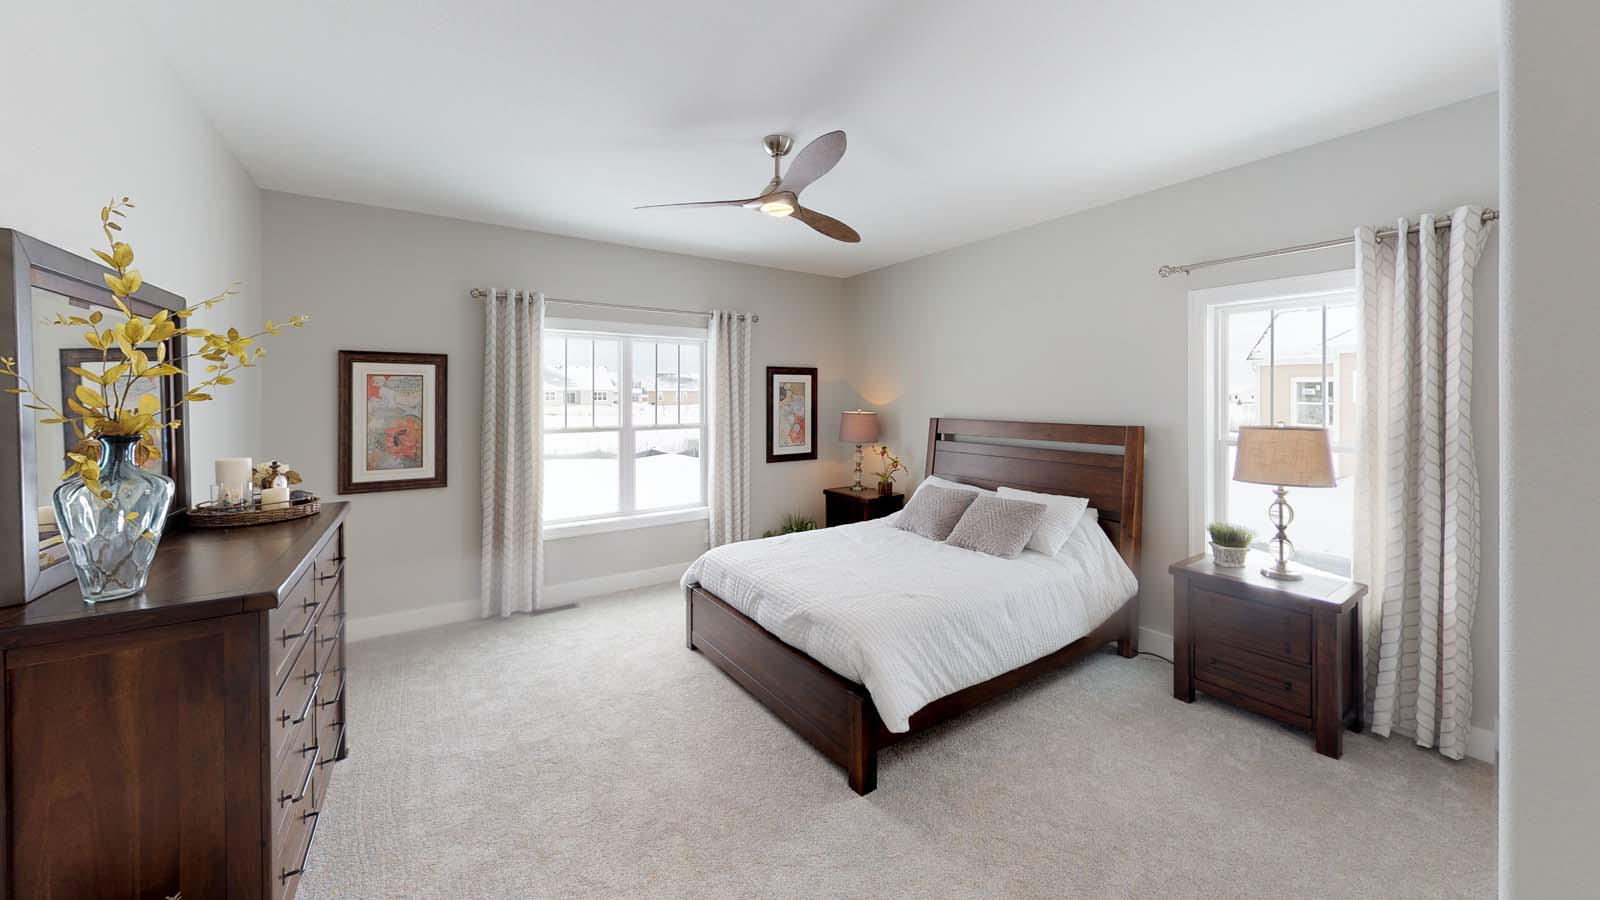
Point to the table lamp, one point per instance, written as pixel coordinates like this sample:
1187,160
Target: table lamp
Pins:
858,426
1284,457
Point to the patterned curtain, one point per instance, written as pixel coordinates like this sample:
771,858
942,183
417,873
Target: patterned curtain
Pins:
729,366
1417,540
512,567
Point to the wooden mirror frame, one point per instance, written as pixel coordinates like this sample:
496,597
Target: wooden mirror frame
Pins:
27,263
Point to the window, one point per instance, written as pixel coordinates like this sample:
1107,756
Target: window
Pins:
604,458
1281,352
1312,402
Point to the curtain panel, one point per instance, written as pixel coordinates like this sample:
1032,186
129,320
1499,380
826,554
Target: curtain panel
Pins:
512,565
1417,519
728,340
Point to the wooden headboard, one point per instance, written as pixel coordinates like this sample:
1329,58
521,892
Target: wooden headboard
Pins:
990,453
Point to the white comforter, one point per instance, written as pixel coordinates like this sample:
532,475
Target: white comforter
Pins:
915,619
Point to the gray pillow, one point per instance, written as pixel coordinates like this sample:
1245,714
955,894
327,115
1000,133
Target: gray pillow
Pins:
933,511
997,526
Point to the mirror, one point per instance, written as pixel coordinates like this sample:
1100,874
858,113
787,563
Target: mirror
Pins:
38,282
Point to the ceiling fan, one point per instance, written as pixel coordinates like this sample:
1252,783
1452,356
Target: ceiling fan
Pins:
781,196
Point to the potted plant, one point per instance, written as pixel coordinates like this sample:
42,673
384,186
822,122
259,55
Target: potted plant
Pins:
791,524
1230,544
111,511
889,468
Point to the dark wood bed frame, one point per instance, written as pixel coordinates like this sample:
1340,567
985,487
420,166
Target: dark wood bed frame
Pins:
837,715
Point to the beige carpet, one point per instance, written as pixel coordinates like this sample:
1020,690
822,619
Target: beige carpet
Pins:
586,753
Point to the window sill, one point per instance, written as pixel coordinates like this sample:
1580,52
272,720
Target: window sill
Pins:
562,530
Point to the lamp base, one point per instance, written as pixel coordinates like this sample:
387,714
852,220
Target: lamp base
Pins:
858,486
1283,574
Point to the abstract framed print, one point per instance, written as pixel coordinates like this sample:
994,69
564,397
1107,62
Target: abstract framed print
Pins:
791,413
392,421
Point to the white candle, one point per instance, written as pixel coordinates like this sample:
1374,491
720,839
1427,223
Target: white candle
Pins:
274,496
233,473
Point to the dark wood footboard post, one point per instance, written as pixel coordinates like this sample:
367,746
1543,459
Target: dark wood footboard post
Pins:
863,767
1128,644
688,618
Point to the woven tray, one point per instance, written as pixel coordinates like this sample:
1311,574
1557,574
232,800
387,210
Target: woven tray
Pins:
204,515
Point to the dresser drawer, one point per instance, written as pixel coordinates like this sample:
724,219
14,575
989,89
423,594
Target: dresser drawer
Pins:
330,629
296,699
289,626
328,566
1282,633
1272,681
291,780
292,845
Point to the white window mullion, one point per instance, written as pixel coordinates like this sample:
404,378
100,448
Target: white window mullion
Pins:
625,437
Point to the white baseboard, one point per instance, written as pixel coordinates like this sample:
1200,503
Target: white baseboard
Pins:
563,594
1482,743
584,588
1153,641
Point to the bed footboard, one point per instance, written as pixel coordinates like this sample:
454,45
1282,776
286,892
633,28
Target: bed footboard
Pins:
837,715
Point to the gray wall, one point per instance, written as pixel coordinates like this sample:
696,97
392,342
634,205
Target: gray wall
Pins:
375,279
1550,717
83,129
1068,321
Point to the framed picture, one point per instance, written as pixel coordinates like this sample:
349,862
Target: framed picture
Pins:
391,421
91,360
791,413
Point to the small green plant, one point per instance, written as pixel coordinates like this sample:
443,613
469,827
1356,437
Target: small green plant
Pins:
791,524
1224,534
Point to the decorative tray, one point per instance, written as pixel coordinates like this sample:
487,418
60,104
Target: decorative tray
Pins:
208,515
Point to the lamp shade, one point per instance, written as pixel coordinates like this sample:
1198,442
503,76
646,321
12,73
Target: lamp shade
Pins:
1290,457
858,427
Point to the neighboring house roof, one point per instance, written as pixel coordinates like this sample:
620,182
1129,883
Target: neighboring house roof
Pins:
602,377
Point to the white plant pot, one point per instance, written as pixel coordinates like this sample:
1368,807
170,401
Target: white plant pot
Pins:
1229,557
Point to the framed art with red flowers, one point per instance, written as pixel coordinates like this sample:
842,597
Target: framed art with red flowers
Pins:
392,421
791,413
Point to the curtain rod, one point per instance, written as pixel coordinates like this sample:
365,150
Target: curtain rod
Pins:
480,293
1489,215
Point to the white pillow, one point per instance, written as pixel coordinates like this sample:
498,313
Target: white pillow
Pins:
936,481
1061,515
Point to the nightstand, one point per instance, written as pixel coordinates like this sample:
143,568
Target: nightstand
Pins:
1286,649
845,505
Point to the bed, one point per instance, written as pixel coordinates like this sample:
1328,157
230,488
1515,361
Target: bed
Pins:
903,632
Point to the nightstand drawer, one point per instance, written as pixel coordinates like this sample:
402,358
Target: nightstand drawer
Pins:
1282,633
1263,678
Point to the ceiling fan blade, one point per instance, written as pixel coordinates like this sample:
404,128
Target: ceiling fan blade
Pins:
701,205
828,225
813,162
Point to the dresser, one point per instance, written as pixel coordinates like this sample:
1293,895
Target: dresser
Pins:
1290,650
844,505
184,739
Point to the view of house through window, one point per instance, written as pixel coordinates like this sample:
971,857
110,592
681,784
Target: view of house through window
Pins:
623,429
1287,362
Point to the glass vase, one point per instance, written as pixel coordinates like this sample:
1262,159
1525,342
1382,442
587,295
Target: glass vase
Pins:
111,541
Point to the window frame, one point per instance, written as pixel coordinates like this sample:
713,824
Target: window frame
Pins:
627,515
1209,439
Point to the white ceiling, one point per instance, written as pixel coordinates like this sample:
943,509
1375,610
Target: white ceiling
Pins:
965,119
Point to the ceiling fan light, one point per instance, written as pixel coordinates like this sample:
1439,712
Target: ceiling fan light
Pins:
778,208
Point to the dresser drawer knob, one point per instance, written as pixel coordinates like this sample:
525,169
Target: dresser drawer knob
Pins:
311,696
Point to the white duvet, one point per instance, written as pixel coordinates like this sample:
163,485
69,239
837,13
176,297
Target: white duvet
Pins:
914,619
